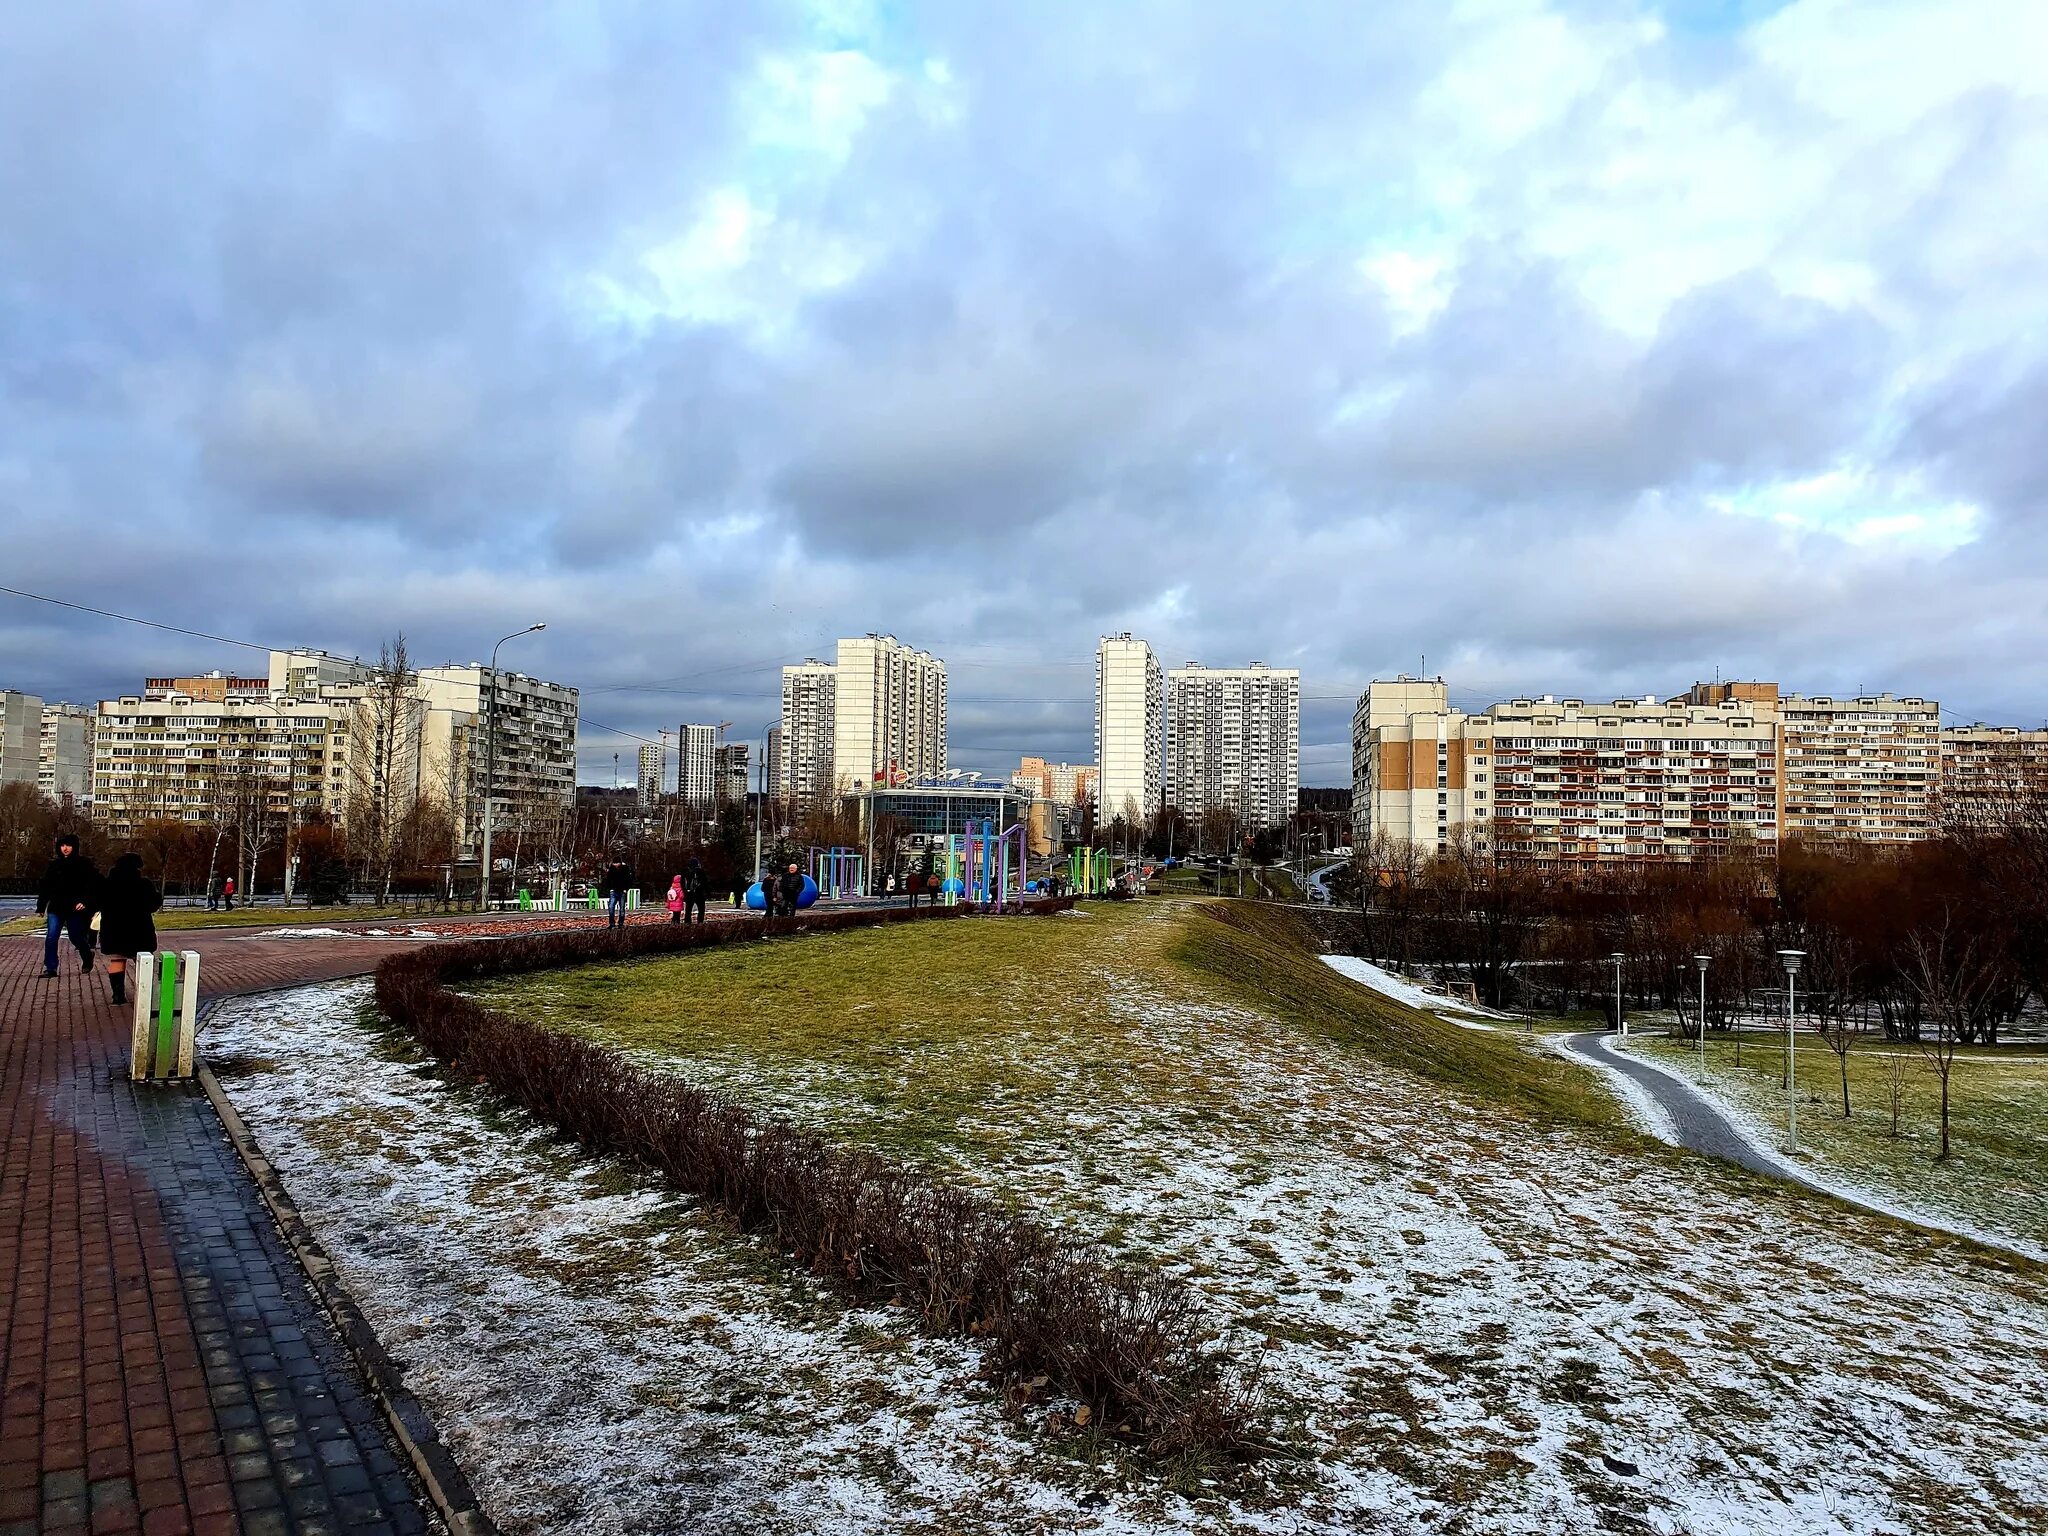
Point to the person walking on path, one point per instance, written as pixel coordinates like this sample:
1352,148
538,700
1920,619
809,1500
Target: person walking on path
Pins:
694,886
227,892
66,900
617,881
789,888
128,902
675,900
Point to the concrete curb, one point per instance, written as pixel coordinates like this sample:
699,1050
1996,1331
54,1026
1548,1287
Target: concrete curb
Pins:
446,1487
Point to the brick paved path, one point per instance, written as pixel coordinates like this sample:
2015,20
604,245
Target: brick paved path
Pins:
165,1366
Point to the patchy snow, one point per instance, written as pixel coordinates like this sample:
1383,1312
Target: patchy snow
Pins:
1387,984
346,933
1470,1322
1638,1101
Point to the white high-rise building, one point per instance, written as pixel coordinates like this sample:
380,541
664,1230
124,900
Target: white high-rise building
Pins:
771,764
1130,709
803,744
650,775
888,714
64,752
1234,740
697,765
21,733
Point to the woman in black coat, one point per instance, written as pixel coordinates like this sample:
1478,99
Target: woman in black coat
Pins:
127,902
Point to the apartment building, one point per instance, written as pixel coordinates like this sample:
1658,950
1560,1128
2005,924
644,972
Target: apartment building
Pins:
1989,771
1130,730
1065,785
1234,739
64,752
1636,779
525,725
729,773
168,755
697,765
888,714
647,786
21,734
771,764
1556,782
1867,768
804,740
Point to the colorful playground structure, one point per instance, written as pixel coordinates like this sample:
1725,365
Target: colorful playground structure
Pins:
839,872
985,867
559,900
1090,871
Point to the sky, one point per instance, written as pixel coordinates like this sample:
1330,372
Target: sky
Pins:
1575,348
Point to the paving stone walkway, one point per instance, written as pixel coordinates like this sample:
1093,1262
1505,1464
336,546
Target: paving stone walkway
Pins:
165,1367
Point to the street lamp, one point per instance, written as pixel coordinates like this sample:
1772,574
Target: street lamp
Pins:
491,766
1791,959
1620,1022
761,802
1702,962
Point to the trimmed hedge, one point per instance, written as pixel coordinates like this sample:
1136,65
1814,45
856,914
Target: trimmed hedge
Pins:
1128,1348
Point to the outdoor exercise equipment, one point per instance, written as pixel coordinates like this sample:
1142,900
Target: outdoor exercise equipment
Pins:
838,872
1090,871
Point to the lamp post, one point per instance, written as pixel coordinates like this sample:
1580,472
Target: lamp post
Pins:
1620,1022
1702,962
761,799
491,767
1791,959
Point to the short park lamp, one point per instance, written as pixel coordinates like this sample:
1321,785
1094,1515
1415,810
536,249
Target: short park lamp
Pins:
1620,1019
1703,961
1790,959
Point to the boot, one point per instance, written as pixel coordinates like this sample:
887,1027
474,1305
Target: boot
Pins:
119,981
85,961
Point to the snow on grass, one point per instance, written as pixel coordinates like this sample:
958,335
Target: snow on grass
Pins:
1387,984
1465,1321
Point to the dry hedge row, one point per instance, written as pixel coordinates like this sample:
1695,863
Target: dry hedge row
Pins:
1052,1314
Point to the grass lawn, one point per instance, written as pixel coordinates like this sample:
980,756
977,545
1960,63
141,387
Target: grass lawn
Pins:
1470,1285
180,919
1997,1173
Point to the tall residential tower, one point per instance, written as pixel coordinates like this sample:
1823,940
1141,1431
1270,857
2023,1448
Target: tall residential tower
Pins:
1234,740
1130,710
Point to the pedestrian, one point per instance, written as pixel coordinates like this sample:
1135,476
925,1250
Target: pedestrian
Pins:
769,899
790,887
127,903
618,879
66,900
694,887
227,890
675,899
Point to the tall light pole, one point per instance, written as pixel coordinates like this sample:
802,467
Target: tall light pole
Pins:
761,800
491,766
1791,959
1620,1020
1702,961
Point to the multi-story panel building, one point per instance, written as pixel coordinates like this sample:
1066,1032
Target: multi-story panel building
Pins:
524,725
163,755
803,756
1234,740
21,734
1866,768
1130,730
1558,782
888,714
729,773
771,764
648,784
1063,789
1389,702
1632,780
64,752
697,765
1990,772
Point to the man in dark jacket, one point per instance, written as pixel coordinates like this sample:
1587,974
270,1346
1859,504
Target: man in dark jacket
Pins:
618,880
789,888
66,899
694,885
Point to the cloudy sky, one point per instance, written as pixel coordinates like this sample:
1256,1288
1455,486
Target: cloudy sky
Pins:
1586,347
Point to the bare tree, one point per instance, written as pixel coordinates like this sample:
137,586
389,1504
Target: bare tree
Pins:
1956,975
384,764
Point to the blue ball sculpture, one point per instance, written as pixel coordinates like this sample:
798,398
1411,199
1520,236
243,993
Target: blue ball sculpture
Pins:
756,902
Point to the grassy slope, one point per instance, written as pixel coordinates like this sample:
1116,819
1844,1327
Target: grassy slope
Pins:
1998,1173
1263,954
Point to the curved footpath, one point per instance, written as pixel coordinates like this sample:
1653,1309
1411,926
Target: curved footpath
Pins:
1699,1123
165,1365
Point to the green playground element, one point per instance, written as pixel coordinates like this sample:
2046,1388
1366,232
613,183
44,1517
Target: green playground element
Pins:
1090,871
525,899
166,1012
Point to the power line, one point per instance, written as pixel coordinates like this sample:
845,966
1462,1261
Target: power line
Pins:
129,618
